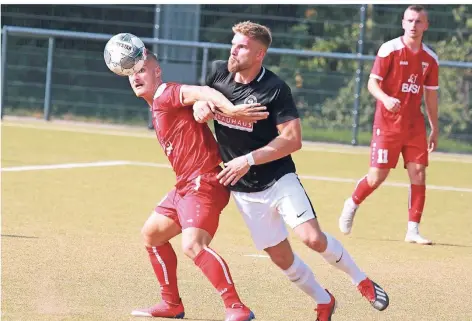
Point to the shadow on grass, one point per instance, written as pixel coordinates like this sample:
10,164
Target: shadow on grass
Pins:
402,241
20,236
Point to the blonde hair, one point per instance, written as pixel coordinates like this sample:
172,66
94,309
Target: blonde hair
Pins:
254,31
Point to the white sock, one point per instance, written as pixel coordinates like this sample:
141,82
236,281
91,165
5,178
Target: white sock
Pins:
352,204
413,227
301,275
336,255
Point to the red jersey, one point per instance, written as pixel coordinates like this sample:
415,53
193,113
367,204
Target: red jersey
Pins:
190,146
403,74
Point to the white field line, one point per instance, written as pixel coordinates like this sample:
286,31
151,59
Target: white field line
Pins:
138,132
64,166
149,164
257,255
394,184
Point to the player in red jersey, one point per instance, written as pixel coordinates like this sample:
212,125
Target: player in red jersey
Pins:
194,205
403,70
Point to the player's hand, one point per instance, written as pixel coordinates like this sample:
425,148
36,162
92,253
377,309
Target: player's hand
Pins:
433,141
392,104
202,111
233,171
250,113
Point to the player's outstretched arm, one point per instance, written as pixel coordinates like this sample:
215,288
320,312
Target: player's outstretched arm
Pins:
431,101
202,111
247,112
192,94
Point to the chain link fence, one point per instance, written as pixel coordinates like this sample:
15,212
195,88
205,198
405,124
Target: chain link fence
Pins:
66,76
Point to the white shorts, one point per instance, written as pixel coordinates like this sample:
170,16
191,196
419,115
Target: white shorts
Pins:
265,212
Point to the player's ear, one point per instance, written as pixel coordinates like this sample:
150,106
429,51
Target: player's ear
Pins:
158,71
261,54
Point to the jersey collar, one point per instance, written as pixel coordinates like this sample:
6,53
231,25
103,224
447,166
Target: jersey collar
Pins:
160,90
261,74
258,78
409,50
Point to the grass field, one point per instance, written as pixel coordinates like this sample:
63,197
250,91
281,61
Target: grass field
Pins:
71,246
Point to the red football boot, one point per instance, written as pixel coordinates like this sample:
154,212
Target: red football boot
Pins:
239,312
324,312
163,310
374,294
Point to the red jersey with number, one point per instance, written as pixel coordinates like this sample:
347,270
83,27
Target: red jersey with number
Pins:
403,74
190,146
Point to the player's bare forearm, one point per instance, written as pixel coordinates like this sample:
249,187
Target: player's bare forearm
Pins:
288,141
191,94
219,103
202,111
375,90
431,101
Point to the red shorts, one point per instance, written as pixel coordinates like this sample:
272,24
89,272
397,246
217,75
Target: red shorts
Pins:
197,204
386,147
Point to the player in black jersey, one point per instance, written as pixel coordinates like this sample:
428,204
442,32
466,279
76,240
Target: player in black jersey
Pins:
261,173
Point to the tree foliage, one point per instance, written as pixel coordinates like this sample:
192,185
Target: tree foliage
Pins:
325,88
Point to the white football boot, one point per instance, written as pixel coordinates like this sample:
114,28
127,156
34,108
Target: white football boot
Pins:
347,216
413,235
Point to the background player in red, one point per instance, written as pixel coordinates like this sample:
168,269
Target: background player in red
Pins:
404,69
194,205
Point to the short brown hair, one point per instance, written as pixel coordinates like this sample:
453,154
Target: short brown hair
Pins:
255,31
151,55
418,8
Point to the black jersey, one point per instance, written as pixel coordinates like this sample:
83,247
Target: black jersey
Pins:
237,138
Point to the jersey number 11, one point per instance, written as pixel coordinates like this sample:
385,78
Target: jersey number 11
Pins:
382,156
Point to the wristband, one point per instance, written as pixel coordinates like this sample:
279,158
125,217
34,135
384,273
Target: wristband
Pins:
250,159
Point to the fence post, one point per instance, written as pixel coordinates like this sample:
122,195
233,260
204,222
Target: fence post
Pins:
4,69
155,48
359,76
47,89
204,66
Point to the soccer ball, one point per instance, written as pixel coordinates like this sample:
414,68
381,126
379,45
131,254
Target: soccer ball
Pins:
124,54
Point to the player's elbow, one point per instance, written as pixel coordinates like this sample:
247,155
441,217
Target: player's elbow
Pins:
295,143
370,85
292,133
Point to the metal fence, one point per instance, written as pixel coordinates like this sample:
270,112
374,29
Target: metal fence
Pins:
39,77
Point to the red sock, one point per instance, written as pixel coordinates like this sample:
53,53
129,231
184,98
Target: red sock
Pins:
362,191
216,270
164,263
416,202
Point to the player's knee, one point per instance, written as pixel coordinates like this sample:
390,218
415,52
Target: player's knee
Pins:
418,176
375,180
191,248
282,260
152,237
147,236
281,255
315,241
